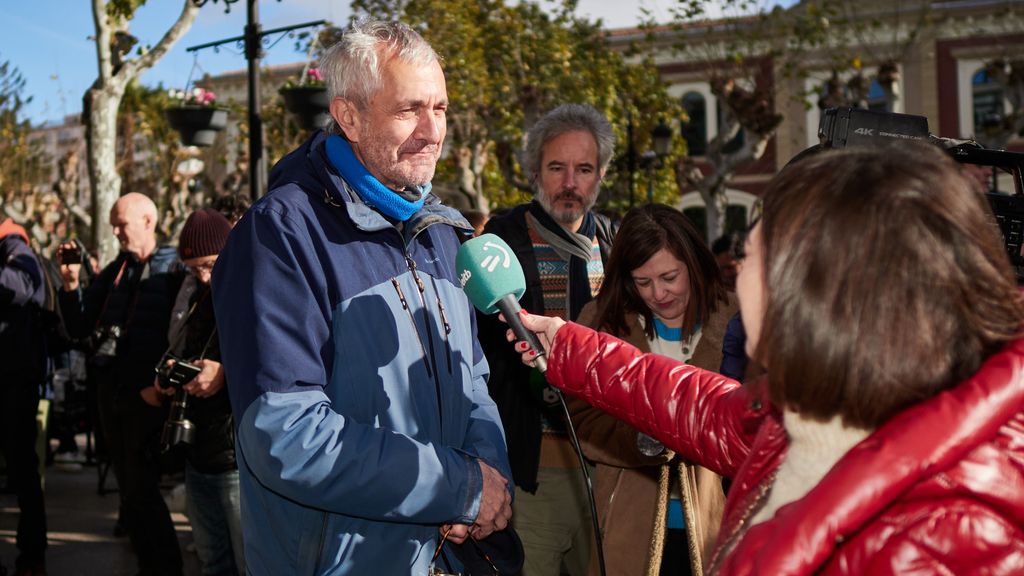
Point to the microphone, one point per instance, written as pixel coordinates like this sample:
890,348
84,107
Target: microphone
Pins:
493,280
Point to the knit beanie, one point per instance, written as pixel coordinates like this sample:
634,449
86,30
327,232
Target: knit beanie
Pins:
204,234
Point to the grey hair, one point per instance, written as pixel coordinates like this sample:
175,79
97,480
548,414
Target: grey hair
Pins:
568,118
353,67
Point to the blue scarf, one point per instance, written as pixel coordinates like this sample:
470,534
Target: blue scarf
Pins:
378,196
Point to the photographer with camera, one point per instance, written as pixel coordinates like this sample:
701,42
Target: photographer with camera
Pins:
200,417
127,309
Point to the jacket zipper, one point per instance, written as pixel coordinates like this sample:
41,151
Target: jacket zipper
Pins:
444,321
430,339
412,320
729,543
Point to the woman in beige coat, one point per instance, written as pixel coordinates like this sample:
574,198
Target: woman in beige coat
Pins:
662,293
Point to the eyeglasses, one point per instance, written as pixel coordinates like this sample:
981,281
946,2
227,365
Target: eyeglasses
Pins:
437,571
439,551
739,248
206,267
756,211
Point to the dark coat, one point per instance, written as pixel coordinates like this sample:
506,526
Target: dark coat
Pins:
213,451
140,302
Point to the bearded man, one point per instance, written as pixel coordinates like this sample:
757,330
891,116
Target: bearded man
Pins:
562,245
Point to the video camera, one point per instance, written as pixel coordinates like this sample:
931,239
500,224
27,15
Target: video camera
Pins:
841,127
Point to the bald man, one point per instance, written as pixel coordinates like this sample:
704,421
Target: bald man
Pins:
125,313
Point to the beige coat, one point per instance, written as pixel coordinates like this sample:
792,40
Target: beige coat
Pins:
631,489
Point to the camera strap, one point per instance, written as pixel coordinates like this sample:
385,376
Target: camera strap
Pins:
184,328
127,318
110,292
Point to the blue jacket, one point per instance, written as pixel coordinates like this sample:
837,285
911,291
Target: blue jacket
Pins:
355,376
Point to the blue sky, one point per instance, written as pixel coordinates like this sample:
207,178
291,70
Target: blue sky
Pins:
48,41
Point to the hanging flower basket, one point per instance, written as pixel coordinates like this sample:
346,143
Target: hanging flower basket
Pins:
307,99
309,104
195,116
197,125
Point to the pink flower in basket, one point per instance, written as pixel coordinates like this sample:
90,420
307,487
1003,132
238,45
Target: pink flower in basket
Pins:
195,97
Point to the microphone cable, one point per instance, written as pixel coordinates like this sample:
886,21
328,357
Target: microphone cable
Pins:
586,475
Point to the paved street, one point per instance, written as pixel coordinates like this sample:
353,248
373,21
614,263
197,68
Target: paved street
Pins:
81,541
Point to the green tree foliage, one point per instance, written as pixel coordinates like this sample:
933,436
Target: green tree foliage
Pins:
21,163
506,64
141,119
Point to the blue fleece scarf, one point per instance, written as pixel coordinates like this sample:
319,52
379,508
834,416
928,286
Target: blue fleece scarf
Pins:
387,201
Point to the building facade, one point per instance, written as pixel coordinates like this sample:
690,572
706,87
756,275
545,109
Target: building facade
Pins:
940,51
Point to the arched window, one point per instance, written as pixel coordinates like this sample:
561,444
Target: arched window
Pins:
737,213
695,131
987,100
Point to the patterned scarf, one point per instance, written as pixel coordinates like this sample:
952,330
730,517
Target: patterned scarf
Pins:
569,263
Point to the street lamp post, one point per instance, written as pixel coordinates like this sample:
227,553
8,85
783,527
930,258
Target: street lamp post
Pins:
649,160
630,157
661,138
253,38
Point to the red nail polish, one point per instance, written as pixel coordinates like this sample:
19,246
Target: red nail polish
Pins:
533,353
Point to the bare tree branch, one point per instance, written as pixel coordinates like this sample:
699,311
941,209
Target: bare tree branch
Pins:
132,68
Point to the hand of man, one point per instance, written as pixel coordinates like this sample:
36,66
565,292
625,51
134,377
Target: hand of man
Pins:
495,504
159,387
69,272
209,381
152,396
457,533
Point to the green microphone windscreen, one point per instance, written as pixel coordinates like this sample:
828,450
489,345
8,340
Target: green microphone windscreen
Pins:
488,271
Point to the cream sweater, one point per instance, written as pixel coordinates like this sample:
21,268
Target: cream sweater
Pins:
814,447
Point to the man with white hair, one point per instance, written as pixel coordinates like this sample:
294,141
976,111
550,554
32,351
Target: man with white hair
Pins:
125,312
358,387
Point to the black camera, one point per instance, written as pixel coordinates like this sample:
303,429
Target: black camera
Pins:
841,127
71,255
178,429
177,373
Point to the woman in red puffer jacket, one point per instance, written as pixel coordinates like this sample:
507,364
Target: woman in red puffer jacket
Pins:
888,435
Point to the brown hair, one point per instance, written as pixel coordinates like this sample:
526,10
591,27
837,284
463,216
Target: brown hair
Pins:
644,231
887,283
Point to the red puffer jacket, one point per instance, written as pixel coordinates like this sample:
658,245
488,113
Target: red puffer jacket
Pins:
938,489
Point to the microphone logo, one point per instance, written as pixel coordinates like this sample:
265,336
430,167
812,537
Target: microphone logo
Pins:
491,261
